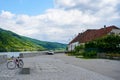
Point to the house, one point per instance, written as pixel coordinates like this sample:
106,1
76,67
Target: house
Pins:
92,34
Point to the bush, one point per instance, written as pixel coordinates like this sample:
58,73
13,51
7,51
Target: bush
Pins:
78,50
107,44
91,54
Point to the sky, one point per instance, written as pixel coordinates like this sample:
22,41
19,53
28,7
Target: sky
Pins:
57,20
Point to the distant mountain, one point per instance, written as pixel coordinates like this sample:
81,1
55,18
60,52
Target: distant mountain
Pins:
10,41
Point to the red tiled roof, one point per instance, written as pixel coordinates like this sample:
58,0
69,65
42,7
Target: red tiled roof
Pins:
92,34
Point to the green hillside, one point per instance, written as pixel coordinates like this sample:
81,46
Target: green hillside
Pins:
10,41
48,45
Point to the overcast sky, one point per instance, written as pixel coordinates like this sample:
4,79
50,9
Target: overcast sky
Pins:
57,20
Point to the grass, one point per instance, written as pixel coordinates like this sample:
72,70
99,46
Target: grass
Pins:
81,57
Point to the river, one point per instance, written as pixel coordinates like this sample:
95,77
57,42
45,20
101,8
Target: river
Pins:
15,54
10,54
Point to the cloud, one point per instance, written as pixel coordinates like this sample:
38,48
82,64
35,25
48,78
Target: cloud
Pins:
85,4
98,8
94,14
67,19
74,17
6,15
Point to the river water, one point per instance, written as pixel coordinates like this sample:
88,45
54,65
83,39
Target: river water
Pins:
10,54
15,54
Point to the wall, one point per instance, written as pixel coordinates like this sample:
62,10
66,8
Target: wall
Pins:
32,54
3,59
116,31
71,47
109,56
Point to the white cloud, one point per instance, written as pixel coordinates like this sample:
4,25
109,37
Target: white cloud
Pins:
6,15
69,17
64,3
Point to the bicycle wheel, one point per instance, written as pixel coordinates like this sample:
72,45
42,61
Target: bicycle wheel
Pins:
21,61
21,64
11,65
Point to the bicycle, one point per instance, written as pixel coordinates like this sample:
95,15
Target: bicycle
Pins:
15,62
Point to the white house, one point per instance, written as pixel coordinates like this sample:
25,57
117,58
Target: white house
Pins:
92,34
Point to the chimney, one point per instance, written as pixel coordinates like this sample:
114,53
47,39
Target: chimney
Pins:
104,26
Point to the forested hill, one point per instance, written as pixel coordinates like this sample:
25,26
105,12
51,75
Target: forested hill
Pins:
10,41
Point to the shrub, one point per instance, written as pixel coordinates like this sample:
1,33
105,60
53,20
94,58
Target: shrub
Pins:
107,44
91,54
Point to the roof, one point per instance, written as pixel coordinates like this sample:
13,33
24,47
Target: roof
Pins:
92,34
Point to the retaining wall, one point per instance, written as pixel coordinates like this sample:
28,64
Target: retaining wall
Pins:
3,59
32,54
109,56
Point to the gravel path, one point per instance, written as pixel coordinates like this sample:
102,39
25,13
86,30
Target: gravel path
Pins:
51,67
